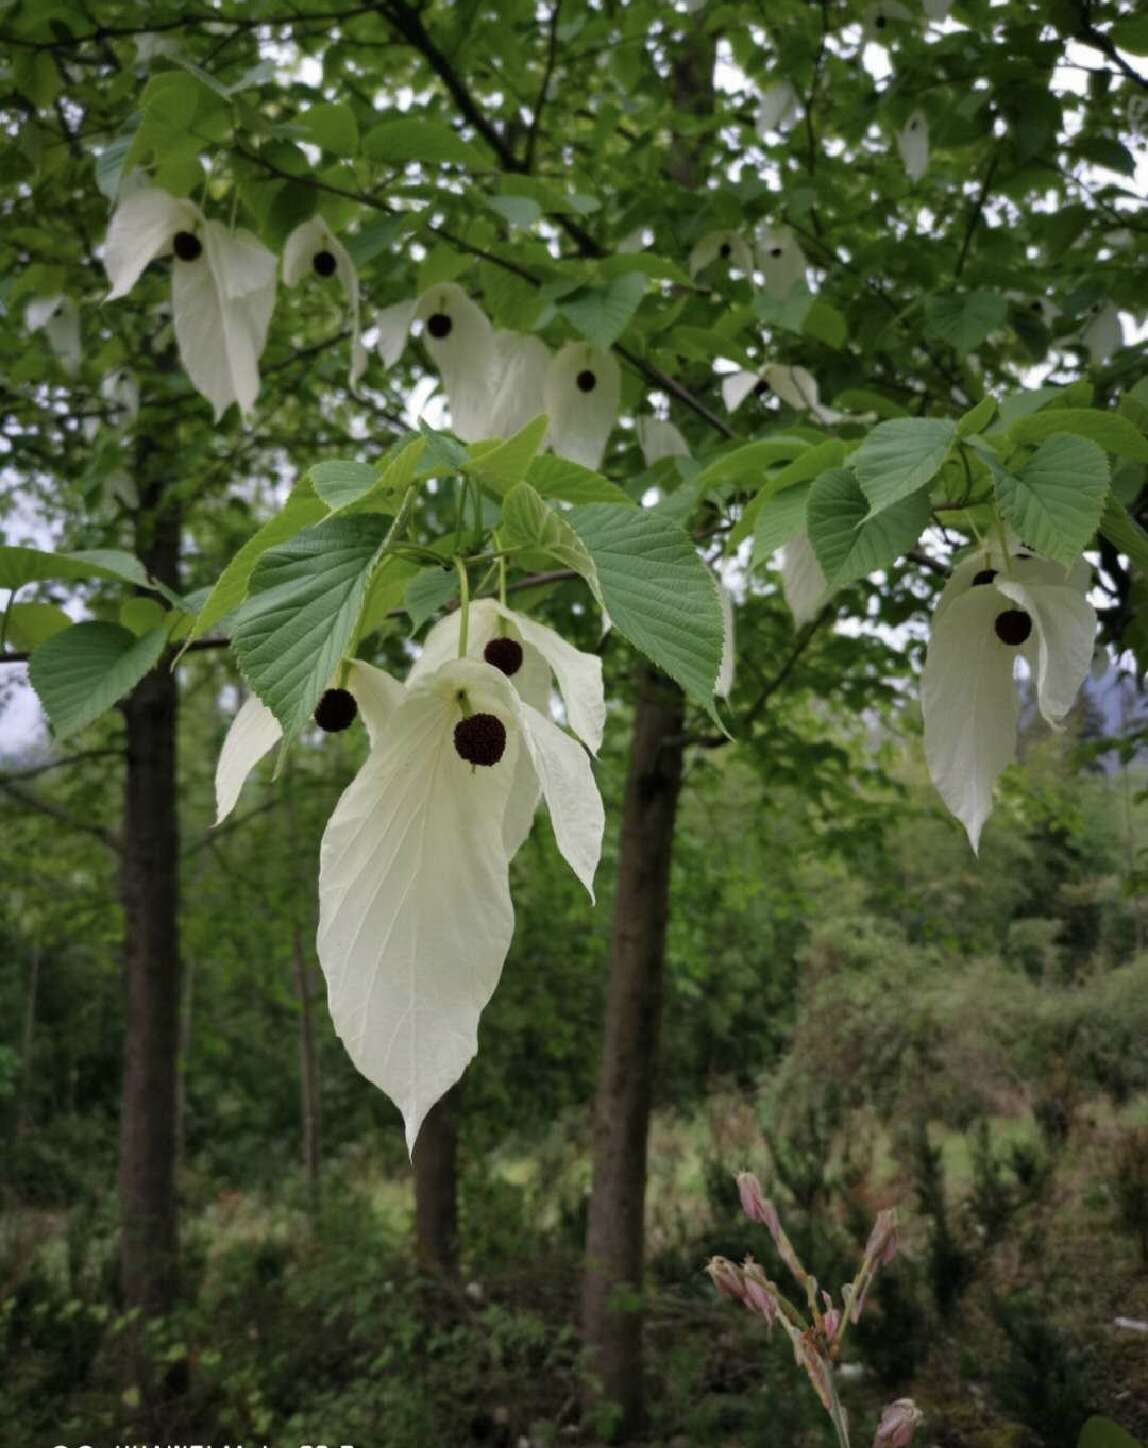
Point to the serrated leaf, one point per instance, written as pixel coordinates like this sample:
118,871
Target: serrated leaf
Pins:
1125,533
517,210
602,314
802,469
342,482
1115,434
24,626
658,592
300,618
1101,1432
1056,499
964,321
528,522
19,566
744,464
428,592
331,127
900,456
780,521
82,671
301,510
412,139
555,477
849,541
977,418
505,465
141,615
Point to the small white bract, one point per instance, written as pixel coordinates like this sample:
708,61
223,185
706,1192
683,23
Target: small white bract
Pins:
913,144
313,249
993,610
729,247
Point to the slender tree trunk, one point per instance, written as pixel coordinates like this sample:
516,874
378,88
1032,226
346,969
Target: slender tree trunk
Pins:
436,1187
150,894
187,995
309,1105
611,1311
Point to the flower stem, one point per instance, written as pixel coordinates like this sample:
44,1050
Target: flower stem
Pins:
463,605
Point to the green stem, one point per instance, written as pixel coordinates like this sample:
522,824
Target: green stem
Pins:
463,606
502,580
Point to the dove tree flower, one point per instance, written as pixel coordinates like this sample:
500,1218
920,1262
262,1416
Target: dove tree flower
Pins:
313,249
729,247
913,144
883,18
780,259
583,391
793,385
658,438
59,319
415,916
778,108
1103,333
996,608
222,289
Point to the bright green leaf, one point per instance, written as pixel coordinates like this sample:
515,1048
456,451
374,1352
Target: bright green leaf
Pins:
1055,501
82,670
801,470
1125,533
413,139
507,464
977,418
900,456
849,541
26,625
1115,434
528,522
965,320
332,127
555,477
601,314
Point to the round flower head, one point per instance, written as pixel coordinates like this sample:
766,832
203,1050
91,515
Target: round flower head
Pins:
993,610
583,391
313,249
480,739
336,711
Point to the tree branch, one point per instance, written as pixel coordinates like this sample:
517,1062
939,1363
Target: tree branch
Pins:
547,74
31,800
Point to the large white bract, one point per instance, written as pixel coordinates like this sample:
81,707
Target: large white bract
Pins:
303,255
968,694
222,298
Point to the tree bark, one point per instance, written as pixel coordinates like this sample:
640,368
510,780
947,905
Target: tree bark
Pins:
150,895
615,1239
435,1165
309,1106
27,1040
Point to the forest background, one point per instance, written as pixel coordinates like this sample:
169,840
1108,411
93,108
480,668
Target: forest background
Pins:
852,1004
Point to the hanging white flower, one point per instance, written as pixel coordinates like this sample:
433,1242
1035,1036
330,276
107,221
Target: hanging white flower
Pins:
1103,334
778,108
781,259
879,19
313,249
725,674
727,246
120,392
59,319
937,10
803,583
993,610
223,289
913,144
583,392
658,438
521,362
792,385
415,917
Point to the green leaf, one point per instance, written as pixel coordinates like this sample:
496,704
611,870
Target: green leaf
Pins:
141,615
1056,499
555,477
1131,34
412,139
849,541
601,314
1115,434
300,618
1101,1432
658,592
110,164
19,566
801,470
82,670
825,324
964,321
744,464
900,456
331,127
379,236
507,464
342,482
1125,533
527,522
1104,151
26,625
977,418
517,210
779,522
301,510
427,592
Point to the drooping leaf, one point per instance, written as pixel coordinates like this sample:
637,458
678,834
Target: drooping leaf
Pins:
658,592
965,320
1055,501
1115,434
83,670
802,469
413,139
527,522
849,541
26,625
602,314
900,456
19,566
300,617
507,464
555,477
1125,533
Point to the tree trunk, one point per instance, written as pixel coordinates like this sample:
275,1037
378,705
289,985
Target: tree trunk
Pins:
150,895
436,1186
611,1309
27,1041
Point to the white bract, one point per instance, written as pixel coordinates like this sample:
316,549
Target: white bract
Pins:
415,917
781,259
881,18
1103,333
59,319
778,108
583,392
793,385
992,611
913,144
727,246
313,249
803,582
658,438
223,289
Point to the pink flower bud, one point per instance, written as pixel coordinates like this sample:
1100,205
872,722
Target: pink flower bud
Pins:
899,1422
831,1317
759,1296
756,1206
882,1244
726,1278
